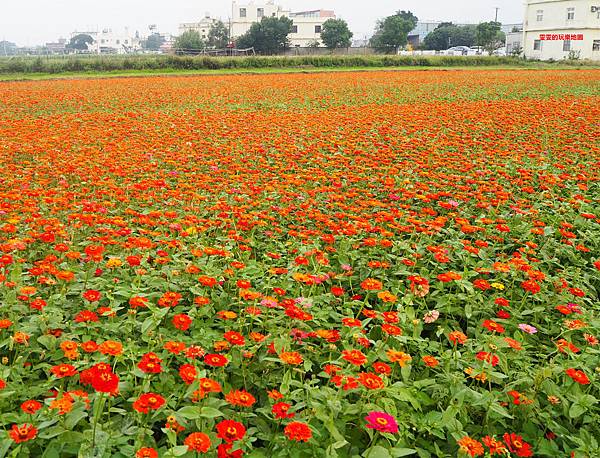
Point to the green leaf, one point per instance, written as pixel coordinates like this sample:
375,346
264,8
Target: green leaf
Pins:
180,450
210,412
397,452
576,410
377,452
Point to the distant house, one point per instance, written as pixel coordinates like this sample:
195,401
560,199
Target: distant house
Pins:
202,26
560,29
306,28
107,41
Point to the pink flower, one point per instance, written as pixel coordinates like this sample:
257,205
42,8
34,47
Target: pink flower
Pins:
431,317
528,328
382,422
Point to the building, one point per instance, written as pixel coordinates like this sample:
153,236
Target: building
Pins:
424,28
514,43
58,47
107,41
418,34
306,28
560,29
202,27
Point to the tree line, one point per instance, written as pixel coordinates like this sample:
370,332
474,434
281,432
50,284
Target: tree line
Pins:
271,36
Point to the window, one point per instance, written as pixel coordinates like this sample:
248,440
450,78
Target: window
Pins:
596,45
260,12
539,15
317,29
294,29
118,42
570,14
242,12
537,45
567,45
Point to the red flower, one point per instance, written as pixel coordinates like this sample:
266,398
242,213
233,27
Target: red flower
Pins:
188,373
370,284
182,322
492,326
578,376
86,316
215,360
531,286
224,451
148,401
482,284
355,357
197,442
382,368
240,398
104,381
297,431
92,295
517,445
487,357
230,431
31,406
63,370
22,433
280,410
234,338
495,446
150,363
146,452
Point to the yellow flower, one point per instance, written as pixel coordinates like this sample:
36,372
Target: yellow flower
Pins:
499,286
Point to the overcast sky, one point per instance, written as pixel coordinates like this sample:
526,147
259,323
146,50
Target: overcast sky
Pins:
30,22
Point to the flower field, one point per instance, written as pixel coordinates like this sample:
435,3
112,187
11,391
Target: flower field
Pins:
377,264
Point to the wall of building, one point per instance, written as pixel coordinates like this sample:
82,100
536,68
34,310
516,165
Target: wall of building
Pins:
307,25
548,23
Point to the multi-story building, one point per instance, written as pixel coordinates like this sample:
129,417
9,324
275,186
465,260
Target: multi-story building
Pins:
559,29
306,28
107,41
202,26
514,43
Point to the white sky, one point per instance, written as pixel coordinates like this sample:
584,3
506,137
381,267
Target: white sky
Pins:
31,22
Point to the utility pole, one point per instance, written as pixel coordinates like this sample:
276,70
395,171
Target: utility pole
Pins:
496,19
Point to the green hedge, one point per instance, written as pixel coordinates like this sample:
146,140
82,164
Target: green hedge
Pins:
56,65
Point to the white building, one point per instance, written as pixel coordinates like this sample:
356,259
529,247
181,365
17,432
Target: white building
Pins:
559,29
202,27
514,43
107,41
306,28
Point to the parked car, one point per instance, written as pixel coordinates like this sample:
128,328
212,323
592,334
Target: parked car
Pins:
457,51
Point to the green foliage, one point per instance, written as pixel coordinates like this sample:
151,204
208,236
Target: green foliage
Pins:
489,36
190,41
269,36
391,32
336,34
98,64
80,42
153,42
218,35
448,34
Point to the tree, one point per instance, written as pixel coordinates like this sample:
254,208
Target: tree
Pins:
153,42
489,36
218,35
269,36
189,41
80,42
391,32
447,34
336,34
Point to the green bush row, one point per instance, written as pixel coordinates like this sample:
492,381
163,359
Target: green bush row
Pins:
56,65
